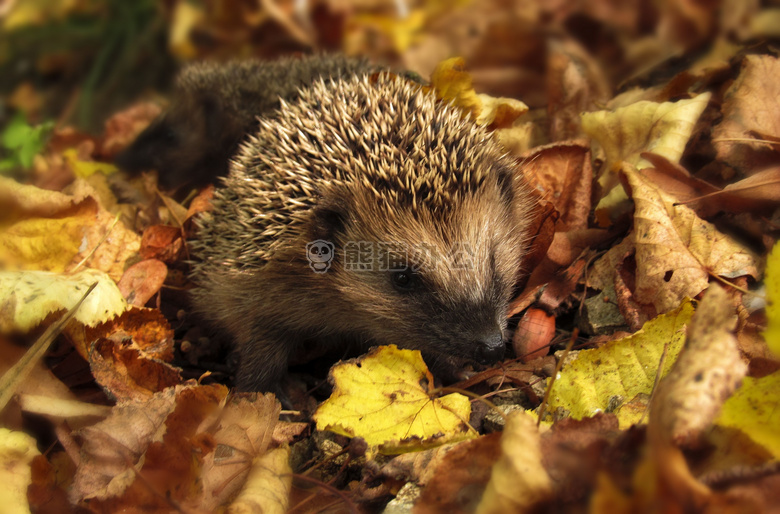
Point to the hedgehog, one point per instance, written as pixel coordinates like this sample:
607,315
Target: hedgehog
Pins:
365,212
215,105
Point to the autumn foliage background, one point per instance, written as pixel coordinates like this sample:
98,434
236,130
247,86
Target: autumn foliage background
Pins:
646,373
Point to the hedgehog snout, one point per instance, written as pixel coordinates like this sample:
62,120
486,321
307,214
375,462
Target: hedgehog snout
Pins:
490,348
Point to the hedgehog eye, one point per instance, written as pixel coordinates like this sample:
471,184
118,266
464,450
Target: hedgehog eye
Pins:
404,280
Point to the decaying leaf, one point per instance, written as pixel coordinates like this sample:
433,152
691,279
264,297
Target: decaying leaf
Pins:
600,380
384,398
129,354
162,242
27,297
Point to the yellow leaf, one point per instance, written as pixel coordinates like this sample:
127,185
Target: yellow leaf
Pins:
41,229
32,13
622,369
519,481
84,169
772,282
53,231
661,128
186,15
383,398
499,113
753,410
27,297
453,83
626,132
17,450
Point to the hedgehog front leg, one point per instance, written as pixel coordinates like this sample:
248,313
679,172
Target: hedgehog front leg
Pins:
264,358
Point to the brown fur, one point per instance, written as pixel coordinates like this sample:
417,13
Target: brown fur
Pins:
379,163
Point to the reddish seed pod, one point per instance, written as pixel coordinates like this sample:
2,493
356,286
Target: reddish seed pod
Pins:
533,335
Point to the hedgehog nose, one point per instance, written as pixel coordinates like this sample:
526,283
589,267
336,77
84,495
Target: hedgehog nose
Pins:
490,348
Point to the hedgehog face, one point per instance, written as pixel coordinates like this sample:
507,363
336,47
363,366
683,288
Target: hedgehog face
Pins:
439,282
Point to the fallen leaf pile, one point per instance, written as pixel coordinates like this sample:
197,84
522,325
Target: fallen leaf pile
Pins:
646,325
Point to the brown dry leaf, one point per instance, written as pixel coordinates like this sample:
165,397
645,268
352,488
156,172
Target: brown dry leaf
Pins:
142,280
126,373
147,453
127,354
465,467
148,329
575,84
757,193
561,254
162,242
123,127
675,250
518,482
543,228
572,450
750,115
418,467
674,179
112,449
706,373
562,173
46,493
687,23
201,203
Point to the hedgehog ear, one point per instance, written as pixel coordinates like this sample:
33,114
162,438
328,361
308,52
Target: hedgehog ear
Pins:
329,219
